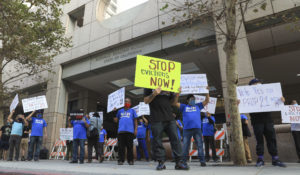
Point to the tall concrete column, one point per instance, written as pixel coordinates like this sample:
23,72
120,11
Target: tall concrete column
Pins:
245,67
57,98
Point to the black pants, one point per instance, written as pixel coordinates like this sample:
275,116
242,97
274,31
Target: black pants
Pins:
125,141
100,145
267,130
209,142
93,143
171,130
14,145
296,135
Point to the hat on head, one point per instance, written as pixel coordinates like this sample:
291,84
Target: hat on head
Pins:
254,80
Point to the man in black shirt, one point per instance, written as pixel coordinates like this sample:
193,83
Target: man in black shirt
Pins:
163,120
263,125
4,142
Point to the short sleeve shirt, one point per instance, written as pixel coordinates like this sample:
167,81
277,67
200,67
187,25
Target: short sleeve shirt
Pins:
102,135
126,120
37,126
160,106
191,115
141,131
79,129
208,128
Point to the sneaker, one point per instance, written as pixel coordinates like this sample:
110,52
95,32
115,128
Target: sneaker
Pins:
181,166
216,160
120,163
89,161
10,160
147,160
278,163
101,159
130,163
260,163
29,160
161,166
249,161
36,160
203,164
23,158
81,162
74,161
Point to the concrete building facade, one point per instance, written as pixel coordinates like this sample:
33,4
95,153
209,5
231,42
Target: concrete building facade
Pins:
102,58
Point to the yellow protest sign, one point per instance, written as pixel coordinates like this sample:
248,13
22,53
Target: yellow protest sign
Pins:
154,72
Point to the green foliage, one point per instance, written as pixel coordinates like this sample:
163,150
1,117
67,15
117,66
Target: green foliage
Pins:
32,34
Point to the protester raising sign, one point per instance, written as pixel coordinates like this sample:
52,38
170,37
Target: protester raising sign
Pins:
14,103
154,72
66,134
260,98
290,114
210,107
193,84
34,103
116,100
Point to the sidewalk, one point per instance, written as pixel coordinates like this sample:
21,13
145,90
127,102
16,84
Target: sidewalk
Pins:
57,167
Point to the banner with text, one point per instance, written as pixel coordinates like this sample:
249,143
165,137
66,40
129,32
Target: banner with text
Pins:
142,109
260,98
154,72
116,100
290,114
14,103
210,107
34,103
66,134
193,84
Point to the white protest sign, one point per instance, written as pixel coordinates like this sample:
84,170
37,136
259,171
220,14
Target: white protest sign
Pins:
100,114
144,109
193,84
34,103
116,100
210,107
66,133
14,103
260,98
136,109
290,114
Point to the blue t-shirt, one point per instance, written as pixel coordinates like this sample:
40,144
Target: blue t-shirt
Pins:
126,120
243,116
178,130
79,129
102,135
208,128
37,126
191,115
141,131
17,129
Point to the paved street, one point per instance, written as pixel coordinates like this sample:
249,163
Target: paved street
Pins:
52,167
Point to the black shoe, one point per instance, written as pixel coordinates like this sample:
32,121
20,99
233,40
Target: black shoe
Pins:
161,166
131,163
249,161
29,160
206,160
298,161
260,163
89,161
10,160
216,160
120,163
74,161
16,160
181,166
36,160
278,163
23,159
147,160
203,164
101,159
81,162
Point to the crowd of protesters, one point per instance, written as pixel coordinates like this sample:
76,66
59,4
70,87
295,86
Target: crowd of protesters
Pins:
23,135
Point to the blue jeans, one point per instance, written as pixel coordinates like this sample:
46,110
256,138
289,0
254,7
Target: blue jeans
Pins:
76,143
187,135
36,141
142,145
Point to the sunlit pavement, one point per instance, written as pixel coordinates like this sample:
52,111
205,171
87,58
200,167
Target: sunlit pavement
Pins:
58,167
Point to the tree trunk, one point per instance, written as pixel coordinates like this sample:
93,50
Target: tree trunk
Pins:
1,98
238,155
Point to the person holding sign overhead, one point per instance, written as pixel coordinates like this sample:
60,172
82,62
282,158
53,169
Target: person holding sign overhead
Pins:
127,130
208,123
263,125
192,125
162,119
38,131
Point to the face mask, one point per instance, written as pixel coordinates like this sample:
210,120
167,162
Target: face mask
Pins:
39,116
127,105
192,102
20,120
